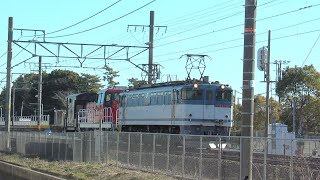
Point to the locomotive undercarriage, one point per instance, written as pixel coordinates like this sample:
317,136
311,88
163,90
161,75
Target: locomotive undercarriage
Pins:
195,130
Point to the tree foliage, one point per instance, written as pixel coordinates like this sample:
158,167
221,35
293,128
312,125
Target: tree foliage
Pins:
259,113
110,76
135,82
55,87
300,88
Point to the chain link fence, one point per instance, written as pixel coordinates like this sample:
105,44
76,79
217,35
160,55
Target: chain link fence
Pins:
186,156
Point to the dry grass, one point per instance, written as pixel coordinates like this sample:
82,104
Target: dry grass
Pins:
83,171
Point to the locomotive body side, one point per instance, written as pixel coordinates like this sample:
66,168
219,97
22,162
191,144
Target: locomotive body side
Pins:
181,109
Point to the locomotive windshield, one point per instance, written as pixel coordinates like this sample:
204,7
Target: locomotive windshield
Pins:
224,96
191,94
112,96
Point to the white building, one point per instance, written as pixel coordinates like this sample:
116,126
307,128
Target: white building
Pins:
280,141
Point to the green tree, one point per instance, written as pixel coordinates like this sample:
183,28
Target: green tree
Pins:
110,75
89,83
237,118
134,82
56,86
300,88
259,113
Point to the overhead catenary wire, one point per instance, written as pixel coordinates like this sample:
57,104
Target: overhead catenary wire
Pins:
237,39
85,18
77,23
193,14
224,17
234,26
90,29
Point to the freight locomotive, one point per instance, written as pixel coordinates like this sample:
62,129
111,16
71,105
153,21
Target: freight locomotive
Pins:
178,108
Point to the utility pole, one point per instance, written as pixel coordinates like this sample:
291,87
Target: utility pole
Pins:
248,90
152,68
13,99
266,124
8,84
151,29
40,93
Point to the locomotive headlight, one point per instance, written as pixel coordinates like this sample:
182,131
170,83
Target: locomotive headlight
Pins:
222,86
195,85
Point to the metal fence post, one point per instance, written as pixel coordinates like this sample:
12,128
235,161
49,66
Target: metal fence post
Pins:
45,146
90,146
21,143
265,158
107,148
219,161
59,141
153,150
140,151
66,146
74,146
31,143
52,144
291,163
183,153
117,155
168,152
200,159
128,155
81,147
40,145
100,145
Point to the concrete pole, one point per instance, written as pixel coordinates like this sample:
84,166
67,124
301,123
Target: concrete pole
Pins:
13,99
266,125
8,83
248,90
40,93
151,29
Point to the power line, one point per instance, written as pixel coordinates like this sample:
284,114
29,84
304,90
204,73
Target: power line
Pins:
311,50
285,13
240,45
85,18
236,39
193,13
3,54
207,24
104,23
79,21
197,17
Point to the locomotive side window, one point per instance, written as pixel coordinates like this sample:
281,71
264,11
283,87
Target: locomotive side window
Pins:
189,94
153,98
167,97
160,98
122,101
141,100
147,99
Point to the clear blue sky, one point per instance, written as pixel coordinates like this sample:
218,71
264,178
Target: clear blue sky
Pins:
208,27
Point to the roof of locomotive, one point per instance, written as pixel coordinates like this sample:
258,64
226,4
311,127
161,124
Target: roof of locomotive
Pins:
176,85
113,89
83,96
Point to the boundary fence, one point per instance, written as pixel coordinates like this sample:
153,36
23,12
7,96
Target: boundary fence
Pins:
186,156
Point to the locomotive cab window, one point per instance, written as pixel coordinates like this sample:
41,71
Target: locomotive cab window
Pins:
191,94
223,95
209,95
